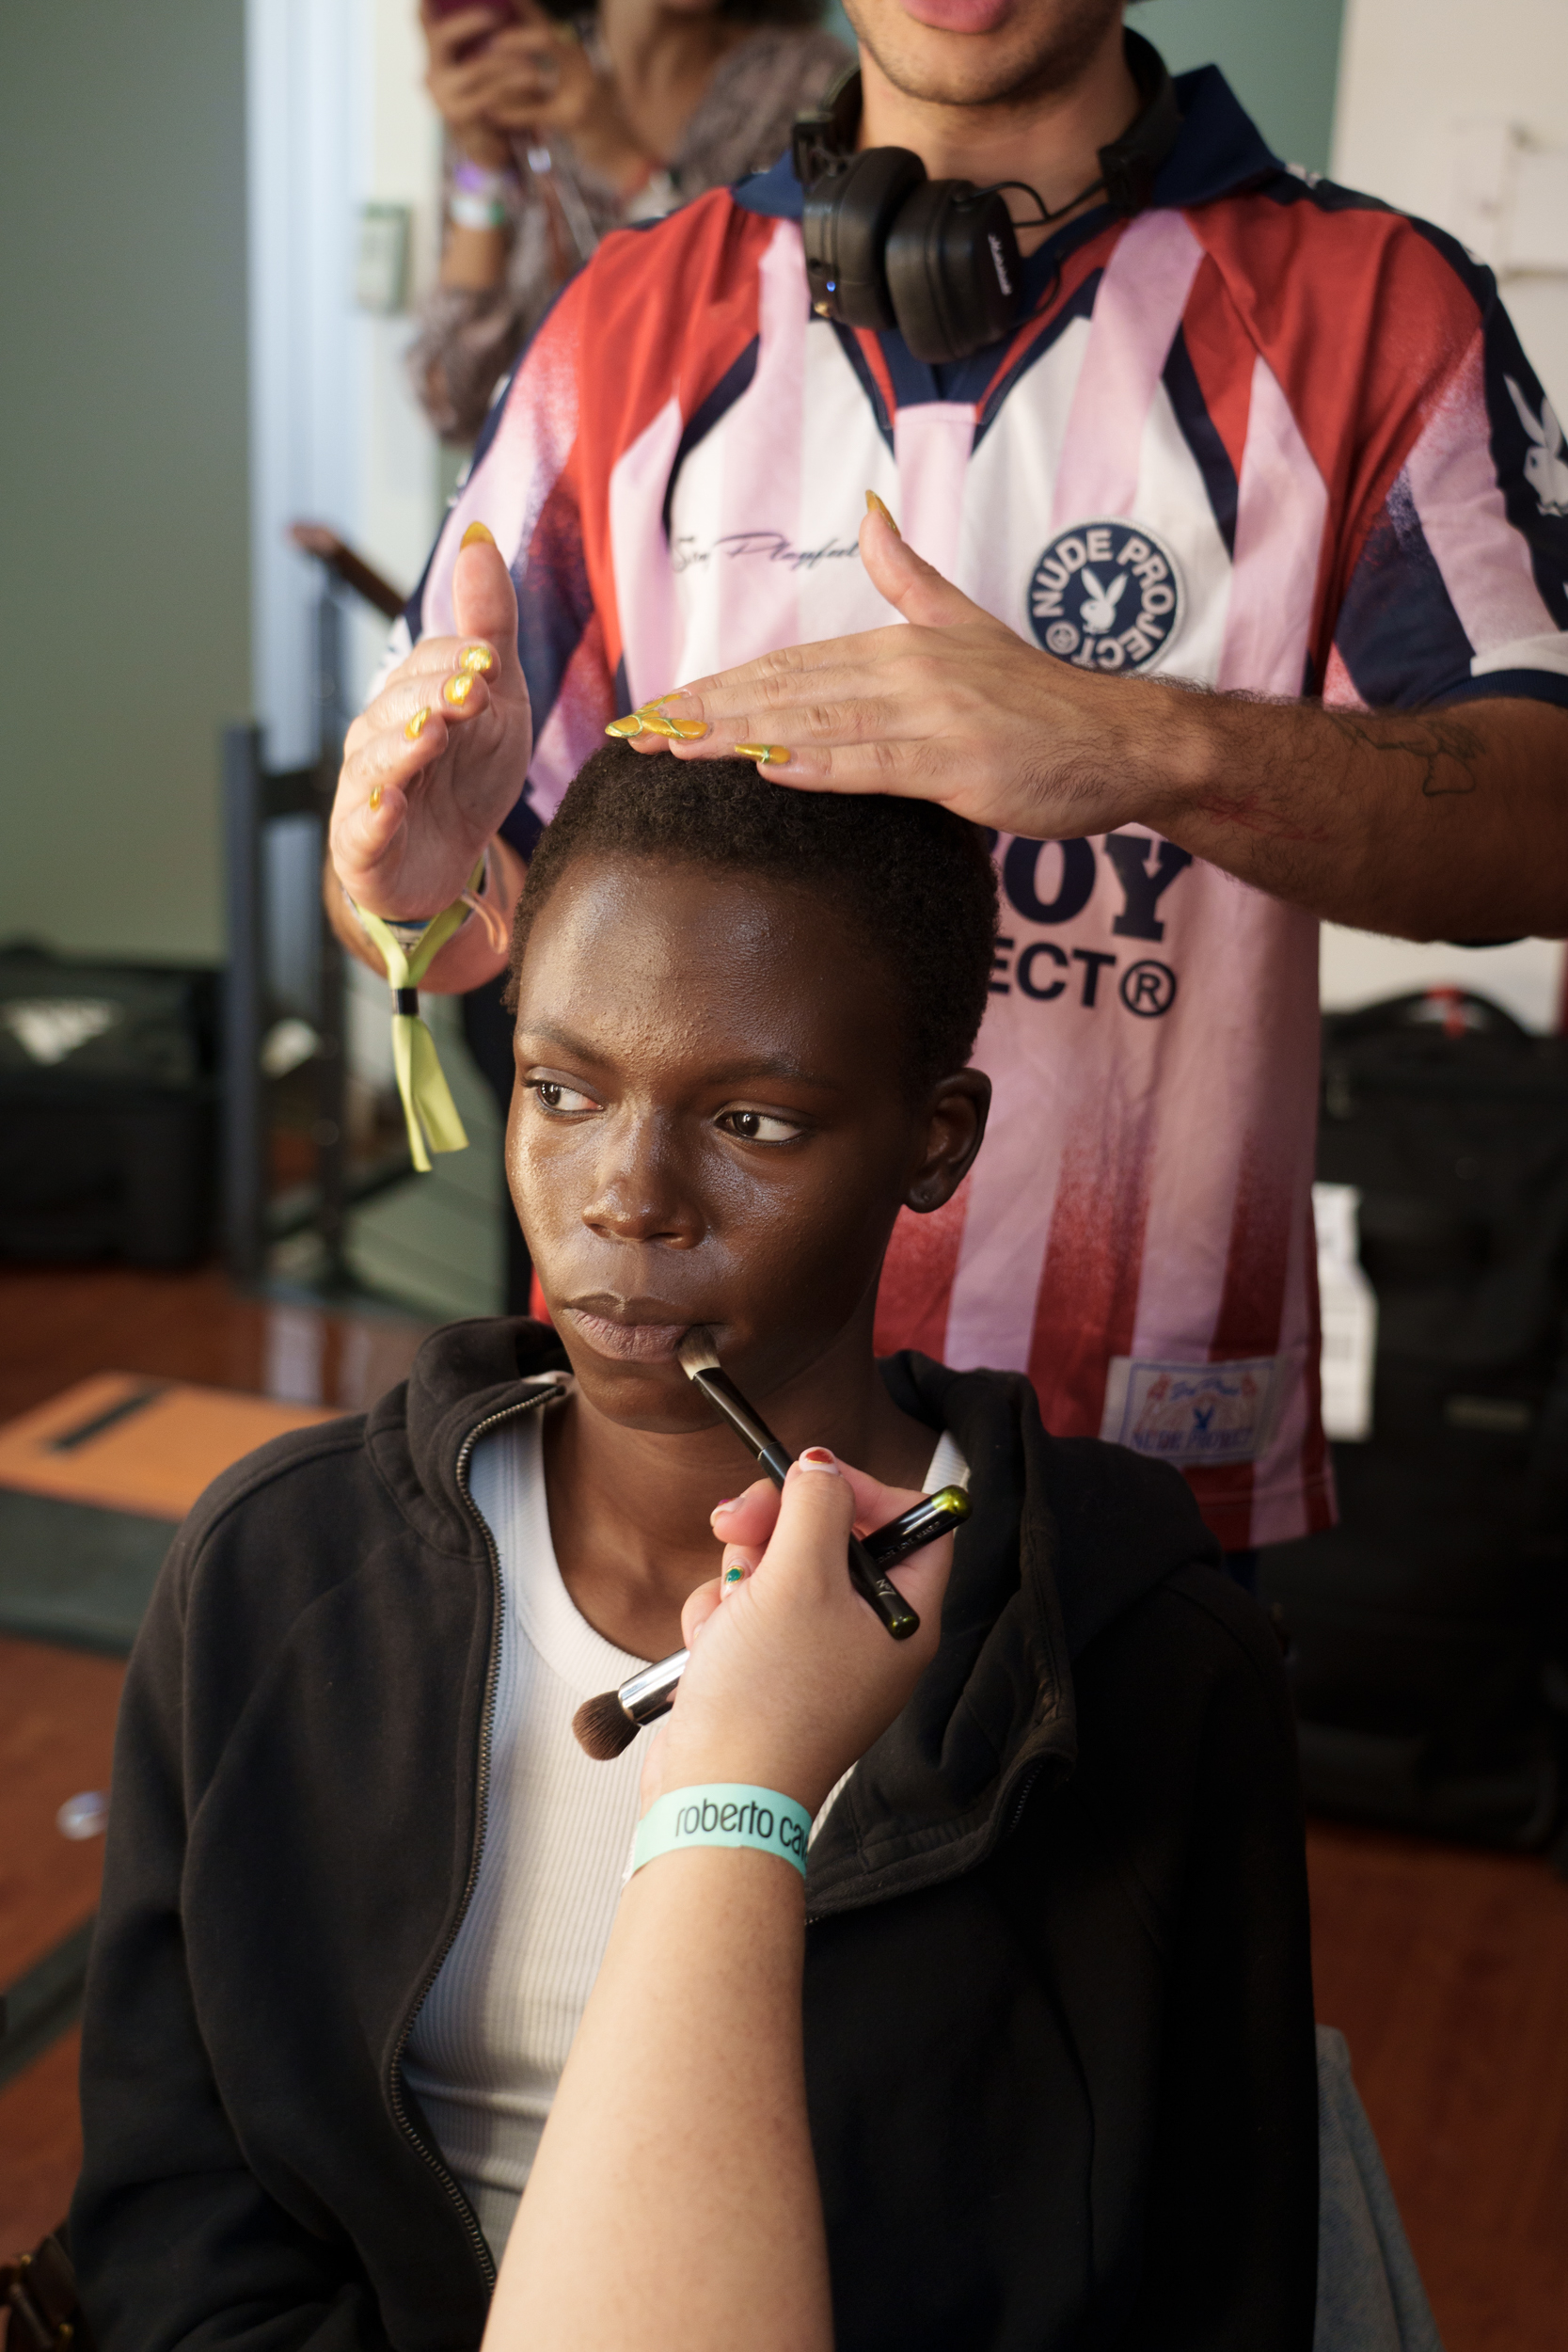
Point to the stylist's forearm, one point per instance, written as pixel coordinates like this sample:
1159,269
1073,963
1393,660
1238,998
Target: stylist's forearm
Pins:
469,959
1423,824
695,2226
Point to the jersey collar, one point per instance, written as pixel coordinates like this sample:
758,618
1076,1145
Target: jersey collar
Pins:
1219,149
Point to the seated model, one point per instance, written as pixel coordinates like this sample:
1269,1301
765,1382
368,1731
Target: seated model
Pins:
1058,2029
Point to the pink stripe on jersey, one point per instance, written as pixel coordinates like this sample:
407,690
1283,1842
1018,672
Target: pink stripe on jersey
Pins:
511,490
1485,564
1136,313
1281,506
644,584
931,444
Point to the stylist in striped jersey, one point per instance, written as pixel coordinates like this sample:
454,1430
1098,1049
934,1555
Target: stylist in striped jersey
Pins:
1263,438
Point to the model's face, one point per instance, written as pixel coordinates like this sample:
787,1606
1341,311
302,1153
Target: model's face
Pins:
710,1126
976,53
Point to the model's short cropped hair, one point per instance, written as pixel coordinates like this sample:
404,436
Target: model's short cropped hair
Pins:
914,882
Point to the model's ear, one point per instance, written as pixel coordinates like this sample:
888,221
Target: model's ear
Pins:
955,1129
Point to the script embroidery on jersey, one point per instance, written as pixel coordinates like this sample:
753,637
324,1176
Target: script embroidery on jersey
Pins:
1105,595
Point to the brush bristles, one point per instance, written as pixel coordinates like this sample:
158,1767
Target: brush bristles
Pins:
697,1353
603,1728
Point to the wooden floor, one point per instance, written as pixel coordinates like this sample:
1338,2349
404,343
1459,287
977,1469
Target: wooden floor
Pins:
1445,1969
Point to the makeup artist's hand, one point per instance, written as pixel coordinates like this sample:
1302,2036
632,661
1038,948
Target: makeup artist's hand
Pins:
792,1676
436,762
948,706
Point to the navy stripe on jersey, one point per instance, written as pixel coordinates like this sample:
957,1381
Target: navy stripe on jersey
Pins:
1079,305
1397,633
555,602
1202,438
735,379
1530,686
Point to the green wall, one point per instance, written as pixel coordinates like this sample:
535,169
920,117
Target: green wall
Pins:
124,601
1281,57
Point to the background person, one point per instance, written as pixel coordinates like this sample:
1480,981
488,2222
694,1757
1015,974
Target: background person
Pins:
559,130
1287,432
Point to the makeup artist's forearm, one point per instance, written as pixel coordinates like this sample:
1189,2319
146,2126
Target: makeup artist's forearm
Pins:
1444,824
673,2203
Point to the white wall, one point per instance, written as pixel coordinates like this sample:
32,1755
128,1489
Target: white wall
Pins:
336,118
1426,88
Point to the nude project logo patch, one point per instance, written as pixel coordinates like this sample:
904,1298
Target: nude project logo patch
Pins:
1105,595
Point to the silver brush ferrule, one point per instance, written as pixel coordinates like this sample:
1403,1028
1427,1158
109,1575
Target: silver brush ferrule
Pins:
647,1695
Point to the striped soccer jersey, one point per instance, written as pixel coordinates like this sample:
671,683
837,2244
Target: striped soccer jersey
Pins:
1267,434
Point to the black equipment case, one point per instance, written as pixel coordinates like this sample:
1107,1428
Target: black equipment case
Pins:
108,1109
1427,1632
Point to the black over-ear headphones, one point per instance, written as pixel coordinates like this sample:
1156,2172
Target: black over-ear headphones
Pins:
939,258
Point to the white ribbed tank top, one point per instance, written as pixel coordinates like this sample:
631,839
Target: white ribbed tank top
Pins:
490,2041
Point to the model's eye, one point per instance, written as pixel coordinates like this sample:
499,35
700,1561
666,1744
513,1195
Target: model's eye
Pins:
758,1126
552,1095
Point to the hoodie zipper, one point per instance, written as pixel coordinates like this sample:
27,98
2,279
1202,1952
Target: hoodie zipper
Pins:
400,2112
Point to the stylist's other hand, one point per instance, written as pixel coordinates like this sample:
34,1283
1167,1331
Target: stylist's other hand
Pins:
952,706
414,809
792,1676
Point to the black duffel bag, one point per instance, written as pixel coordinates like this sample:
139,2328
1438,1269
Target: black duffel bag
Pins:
1428,1630
108,1109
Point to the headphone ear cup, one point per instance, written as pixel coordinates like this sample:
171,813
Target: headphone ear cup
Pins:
953,270
845,224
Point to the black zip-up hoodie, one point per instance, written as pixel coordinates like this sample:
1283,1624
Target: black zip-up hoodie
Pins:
1058,2004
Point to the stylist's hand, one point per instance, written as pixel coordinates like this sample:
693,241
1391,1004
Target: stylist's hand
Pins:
792,1676
412,813
953,706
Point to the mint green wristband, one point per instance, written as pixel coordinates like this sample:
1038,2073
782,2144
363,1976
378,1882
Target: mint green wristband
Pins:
726,1812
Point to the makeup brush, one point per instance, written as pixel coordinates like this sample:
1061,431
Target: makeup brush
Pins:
698,1359
606,1725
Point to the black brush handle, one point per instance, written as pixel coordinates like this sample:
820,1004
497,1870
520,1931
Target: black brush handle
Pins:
864,1574
922,1523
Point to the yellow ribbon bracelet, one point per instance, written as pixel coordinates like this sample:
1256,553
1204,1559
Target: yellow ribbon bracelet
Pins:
427,1104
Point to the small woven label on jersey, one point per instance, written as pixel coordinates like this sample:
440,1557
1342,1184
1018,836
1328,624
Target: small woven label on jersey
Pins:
1191,1413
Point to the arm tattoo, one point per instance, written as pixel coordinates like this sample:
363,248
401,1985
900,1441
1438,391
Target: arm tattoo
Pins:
1434,741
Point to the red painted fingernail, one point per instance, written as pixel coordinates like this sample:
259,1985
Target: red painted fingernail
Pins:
817,1457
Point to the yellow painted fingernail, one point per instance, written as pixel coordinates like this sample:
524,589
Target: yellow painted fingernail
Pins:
624,728
874,506
416,727
770,754
375,790
458,688
654,722
478,536
476,658
687,729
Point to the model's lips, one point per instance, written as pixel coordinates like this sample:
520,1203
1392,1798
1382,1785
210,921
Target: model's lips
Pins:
632,1342
960,16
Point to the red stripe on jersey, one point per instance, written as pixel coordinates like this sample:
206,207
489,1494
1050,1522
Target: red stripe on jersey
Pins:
913,1297
1222,358
1094,1259
875,358
707,255
1317,291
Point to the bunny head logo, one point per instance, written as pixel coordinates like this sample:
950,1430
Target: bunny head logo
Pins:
1545,470
1105,595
